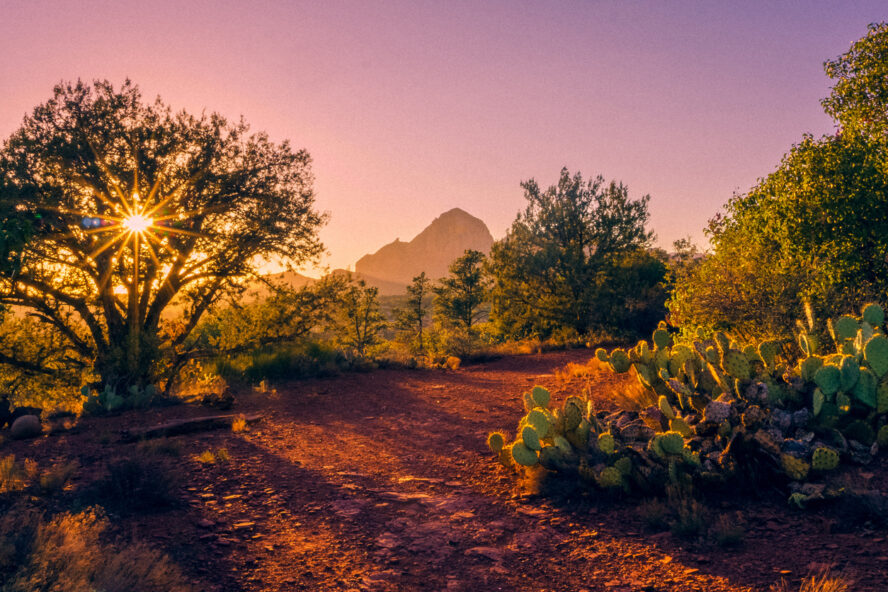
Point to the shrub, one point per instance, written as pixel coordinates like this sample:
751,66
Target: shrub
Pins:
139,483
12,476
54,479
67,553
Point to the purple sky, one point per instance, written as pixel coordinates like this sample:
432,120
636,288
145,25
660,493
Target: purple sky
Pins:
412,108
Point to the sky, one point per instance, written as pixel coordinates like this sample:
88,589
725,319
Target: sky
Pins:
411,108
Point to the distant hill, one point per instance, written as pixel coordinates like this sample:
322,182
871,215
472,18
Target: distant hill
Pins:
394,266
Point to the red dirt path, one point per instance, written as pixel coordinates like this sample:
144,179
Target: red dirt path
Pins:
382,481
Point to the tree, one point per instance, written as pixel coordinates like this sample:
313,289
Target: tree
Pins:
859,98
560,256
144,211
816,229
359,322
411,318
458,297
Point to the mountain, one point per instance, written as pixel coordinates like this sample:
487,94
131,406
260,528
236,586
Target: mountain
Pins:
431,251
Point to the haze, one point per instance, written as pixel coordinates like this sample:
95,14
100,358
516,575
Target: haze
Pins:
413,108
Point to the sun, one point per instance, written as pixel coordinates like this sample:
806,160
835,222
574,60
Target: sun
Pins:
137,223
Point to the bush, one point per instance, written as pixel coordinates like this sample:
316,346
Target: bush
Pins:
67,553
284,362
140,483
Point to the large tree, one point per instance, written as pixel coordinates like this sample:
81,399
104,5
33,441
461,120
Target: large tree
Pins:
143,210
814,230
556,266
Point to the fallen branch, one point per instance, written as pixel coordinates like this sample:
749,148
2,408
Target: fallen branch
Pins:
185,426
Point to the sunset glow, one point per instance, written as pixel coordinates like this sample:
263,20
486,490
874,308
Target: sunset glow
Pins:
137,223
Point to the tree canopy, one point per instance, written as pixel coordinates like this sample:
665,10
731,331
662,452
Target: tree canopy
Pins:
141,209
816,229
556,264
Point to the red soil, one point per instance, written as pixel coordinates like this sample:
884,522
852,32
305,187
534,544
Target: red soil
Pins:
382,481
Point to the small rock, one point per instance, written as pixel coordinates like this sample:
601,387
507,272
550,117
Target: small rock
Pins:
204,523
26,426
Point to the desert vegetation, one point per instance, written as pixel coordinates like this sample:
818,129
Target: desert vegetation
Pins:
741,384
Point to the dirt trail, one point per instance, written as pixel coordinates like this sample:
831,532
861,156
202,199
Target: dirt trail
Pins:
382,481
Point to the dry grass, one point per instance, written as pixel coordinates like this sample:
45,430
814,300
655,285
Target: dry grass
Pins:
728,530
165,446
208,457
54,479
821,582
239,424
12,476
67,553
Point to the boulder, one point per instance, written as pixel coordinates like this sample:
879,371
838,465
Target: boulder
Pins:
26,426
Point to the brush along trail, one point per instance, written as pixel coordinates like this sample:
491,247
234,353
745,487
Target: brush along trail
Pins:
382,481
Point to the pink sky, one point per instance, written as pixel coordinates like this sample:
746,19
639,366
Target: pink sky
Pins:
412,108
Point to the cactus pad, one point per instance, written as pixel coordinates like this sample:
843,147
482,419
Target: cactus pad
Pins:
882,398
671,442
850,372
824,459
865,389
573,413
843,328
602,355
666,408
860,431
828,379
527,399
874,315
660,338
609,477
681,426
809,366
768,351
882,437
876,354
735,364
562,444
540,396
496,441
606,443
523,455
795,468
531,438
624,465
538,420
619,361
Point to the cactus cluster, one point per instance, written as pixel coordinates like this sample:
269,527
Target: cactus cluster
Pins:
108,401
724,410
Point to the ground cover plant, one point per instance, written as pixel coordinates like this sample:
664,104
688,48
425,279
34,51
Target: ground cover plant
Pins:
726,414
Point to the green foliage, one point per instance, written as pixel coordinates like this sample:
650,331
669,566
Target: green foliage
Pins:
282,362
859,99
358,322
575,258
458,297
283,316
411,319
108,401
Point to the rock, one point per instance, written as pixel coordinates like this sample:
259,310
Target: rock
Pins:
26,426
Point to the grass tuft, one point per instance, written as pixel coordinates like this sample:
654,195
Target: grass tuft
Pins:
239,424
